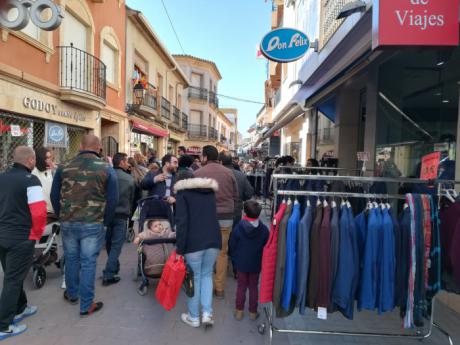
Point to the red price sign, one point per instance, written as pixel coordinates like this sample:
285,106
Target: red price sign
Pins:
430,165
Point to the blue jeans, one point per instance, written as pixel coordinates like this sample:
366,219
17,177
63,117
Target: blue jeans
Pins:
202,264
82,244
114,239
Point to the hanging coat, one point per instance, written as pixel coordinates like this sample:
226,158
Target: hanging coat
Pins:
280,262
267,278
335,243
387,265
313,276
303,258
290,279
324,282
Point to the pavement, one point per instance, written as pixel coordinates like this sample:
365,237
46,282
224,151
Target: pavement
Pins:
128,318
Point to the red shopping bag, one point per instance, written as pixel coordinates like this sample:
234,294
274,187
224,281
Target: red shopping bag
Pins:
171,281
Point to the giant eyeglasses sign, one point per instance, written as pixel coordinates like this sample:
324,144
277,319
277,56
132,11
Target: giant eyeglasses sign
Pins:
284,45
27,10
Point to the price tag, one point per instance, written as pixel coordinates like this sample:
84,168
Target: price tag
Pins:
15,131
322,313
430,165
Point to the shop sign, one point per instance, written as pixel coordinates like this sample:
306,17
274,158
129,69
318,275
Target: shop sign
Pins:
284,45
430,165
415,23
55,135
52,109
194,150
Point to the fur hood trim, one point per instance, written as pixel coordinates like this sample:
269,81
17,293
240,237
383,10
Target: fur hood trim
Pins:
196,183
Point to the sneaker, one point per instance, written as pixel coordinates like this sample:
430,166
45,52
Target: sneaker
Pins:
95,307
207,319
63,285
12,331
239,314
108,282
254,316
191,321
29,311
69,299
219,294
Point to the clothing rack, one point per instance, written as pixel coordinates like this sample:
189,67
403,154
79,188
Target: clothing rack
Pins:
269,309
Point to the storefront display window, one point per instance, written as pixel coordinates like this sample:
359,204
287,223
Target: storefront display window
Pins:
418,102
143,142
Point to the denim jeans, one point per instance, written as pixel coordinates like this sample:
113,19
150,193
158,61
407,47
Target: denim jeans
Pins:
114,239
82,244
202,264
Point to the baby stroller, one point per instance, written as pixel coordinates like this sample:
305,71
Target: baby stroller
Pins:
46,253
153,249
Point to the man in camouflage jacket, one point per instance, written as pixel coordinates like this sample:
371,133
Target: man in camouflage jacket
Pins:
84,195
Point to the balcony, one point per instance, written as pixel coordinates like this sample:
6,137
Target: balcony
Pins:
148,104
184,121
165,109
223,139
176,116
213,135
197,131
82,78
198,93
213,99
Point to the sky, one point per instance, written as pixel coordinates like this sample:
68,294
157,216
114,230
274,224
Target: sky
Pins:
224,31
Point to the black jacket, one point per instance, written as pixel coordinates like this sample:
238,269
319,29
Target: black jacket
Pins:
22,206
157,189
197,227
246,246
126,191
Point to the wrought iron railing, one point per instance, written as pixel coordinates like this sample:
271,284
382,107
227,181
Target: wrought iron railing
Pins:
213,99
165,108
176,116
223,139
197,131
82,71
213,133
150,98
198,93
184,121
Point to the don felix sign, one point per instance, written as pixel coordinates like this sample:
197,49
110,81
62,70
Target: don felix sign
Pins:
284,45
415,23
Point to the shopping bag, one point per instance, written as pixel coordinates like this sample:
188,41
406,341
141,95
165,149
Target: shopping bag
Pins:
189,285
171,281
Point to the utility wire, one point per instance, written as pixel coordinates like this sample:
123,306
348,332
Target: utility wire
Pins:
172,26
240,99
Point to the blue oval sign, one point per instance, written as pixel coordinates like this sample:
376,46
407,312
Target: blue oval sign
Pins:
284,45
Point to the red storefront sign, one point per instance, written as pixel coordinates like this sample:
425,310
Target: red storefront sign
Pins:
415,23
430,165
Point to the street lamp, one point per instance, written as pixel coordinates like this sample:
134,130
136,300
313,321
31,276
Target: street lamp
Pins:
352,7
139,92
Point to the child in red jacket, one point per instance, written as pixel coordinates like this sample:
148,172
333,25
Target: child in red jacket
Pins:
246,246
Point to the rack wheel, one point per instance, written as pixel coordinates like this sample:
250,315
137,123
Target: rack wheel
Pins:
39,277
261,328
142,290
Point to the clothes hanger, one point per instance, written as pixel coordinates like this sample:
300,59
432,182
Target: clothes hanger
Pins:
325,204
296,202
448,196
308,203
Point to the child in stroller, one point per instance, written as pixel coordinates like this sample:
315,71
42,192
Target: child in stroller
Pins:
156,242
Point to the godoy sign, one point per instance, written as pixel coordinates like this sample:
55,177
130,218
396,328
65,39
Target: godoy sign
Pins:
415,22
284,45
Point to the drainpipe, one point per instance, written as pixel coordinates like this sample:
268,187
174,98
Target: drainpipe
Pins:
167,125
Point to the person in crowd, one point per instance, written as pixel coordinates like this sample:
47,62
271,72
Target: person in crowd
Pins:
196,164
44,170
185,171
22,222
226,197
236,163
116,230
138,173
198,238
181,151
155,230
151,156
161,182
246,246
140,161
154,167
84,196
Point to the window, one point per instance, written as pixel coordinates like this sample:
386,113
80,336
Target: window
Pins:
171,94
30,30
109,58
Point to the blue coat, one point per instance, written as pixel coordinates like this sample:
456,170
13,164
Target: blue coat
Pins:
246,246
387,265
290,280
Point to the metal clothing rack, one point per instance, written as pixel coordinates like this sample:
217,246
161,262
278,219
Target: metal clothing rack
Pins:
268,309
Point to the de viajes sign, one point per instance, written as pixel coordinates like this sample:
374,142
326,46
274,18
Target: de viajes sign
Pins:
30,10
284,45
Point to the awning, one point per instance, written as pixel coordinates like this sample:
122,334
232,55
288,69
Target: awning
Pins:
328,108
149,129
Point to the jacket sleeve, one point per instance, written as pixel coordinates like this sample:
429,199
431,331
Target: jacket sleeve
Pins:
181,220
55,195
235,189
147,182
266,235
248,190
233,241
111,192
37,208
